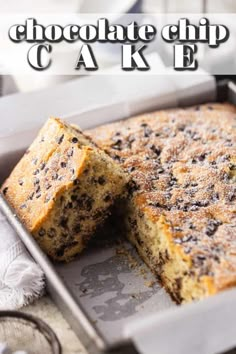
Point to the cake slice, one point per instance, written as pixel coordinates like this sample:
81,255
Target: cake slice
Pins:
181,210
63,188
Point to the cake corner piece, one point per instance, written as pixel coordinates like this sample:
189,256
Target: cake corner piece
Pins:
63,188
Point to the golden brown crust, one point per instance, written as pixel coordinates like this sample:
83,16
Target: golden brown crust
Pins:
183,164
62,188
50,165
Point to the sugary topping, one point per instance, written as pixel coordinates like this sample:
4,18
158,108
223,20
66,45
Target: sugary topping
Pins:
183,166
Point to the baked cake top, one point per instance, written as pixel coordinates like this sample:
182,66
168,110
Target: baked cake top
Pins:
53,162
183,165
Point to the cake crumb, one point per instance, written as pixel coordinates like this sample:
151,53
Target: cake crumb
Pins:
149,284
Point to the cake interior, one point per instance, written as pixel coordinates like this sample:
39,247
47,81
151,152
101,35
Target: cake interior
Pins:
80,208
153,241
181,213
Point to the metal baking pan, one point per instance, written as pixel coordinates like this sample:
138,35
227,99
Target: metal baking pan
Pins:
108,286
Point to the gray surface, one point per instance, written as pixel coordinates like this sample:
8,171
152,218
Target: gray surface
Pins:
114,286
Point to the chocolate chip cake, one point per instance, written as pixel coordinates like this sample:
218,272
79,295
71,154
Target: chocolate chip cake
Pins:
63,188
181,210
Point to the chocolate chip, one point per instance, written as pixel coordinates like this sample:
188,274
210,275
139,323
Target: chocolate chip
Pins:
201,257
192,134
101,180
173,181
107,198
63,222
38,195
69,205
70,152
42,232
37,189
177,228
85,202
31,196
63,164
36,172
86,171
202,157
186,207
225,158
117,145
48,186
5,190
47,199
192,208
97,215
131,139
187,250
147,132
187,238
77,228
215,197
60,252
76,182
51,232
21,182
225,177
181,127
201,203
117,157
228,143
23,206
159,205
74,140
192,227
155,149
232,196
212,227
36,181
132,187
55,176
42,166
131,169
60,139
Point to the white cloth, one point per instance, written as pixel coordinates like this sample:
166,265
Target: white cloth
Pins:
21,279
